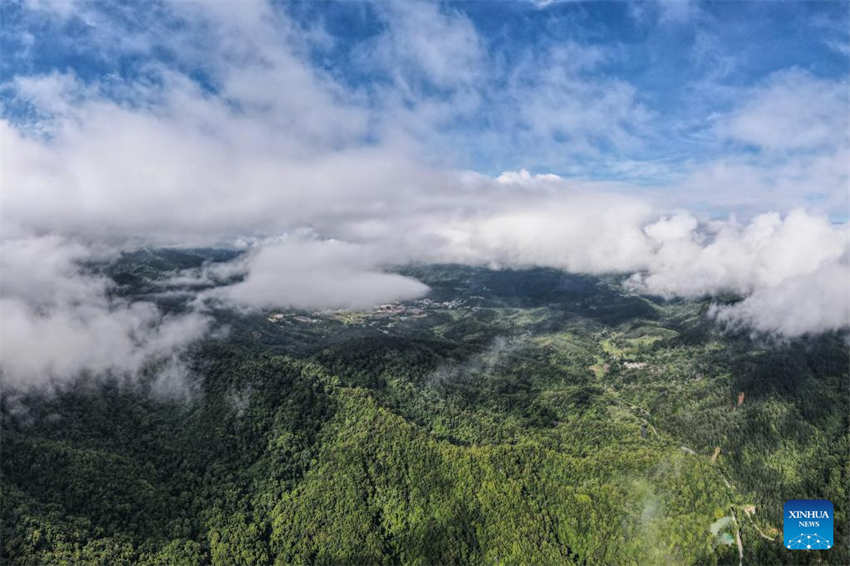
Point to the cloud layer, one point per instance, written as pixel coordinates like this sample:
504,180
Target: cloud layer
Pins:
317,275
58,321
239,124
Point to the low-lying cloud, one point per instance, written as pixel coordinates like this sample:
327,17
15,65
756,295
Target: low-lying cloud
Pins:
317,275
57,321
803,304
792,270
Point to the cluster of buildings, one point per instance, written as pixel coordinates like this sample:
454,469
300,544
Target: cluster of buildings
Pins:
418,309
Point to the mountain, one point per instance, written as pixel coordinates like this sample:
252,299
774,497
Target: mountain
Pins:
509,417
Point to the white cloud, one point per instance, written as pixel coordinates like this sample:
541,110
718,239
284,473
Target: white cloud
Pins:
582,233
741,259
318,275
524,178
57,8
56,320
804,304
773,261
792,110
678,11
407,47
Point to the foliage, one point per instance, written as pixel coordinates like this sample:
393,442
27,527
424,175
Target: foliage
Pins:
520,417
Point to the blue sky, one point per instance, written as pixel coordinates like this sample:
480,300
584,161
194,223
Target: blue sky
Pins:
722,108
671,71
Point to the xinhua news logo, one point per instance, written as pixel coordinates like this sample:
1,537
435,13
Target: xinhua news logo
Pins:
808,524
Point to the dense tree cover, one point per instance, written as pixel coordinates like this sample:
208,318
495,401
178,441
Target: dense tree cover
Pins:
540,419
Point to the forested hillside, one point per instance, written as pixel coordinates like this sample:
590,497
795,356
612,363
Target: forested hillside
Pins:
510,417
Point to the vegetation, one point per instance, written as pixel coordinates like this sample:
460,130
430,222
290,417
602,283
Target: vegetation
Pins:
513,417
